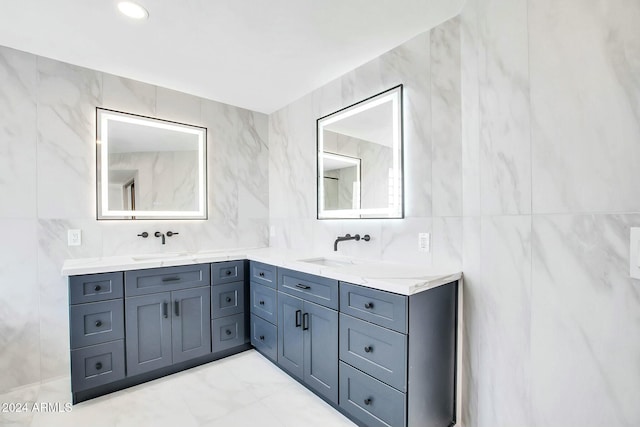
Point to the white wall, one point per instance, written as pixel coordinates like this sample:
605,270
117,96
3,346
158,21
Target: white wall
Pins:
523,148
47,185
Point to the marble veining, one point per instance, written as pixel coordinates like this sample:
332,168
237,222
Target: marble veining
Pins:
503,75
399,278
47,172
581,345
446,119
17,134
585,143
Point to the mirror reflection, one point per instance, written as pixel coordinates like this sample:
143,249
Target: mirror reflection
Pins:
149,168
360,159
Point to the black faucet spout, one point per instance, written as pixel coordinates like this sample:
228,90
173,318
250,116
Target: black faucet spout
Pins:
344,239
159,234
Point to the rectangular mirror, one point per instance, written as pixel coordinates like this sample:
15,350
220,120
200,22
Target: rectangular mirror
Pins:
360,159
149,168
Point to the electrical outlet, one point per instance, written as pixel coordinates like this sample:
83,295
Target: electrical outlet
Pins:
74,237
424,244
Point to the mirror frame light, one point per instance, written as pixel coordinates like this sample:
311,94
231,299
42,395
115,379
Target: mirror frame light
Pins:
103,116
396,208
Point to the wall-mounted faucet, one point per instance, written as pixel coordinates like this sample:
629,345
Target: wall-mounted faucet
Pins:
346,237
159,234
169,234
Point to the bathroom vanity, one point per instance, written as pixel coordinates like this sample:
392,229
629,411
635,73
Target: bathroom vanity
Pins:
378,342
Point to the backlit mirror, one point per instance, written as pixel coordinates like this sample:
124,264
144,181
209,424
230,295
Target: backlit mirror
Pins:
360,159
149,168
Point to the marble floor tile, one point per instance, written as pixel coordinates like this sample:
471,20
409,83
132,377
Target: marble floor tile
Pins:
241,390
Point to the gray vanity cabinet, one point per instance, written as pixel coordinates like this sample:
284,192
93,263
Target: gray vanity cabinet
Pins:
264,309
290,337
148,332
134,326
96,329
397,356
190,324
167,328
307,331
168,316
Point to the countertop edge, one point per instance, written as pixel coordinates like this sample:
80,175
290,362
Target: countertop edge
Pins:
400,285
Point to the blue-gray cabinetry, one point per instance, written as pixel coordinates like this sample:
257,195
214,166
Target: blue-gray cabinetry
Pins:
264,309
130,327
164,328
307,331
398,356
382,359
96,328
228,314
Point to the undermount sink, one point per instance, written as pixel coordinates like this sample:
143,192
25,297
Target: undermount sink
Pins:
150,257
329,262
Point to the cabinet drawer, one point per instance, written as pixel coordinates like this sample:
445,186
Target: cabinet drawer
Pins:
264,302
373,403
227,332
380,352
96,323
95,287
312,288
263,273
152,280
264,337
97,365
226,272
379,307
227,299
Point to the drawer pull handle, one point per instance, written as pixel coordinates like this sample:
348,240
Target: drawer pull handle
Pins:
176,307
368,305
261,303
165,309
305,321
98,323
170,279
228,332
368,349
261,337
98,366
298,320
97,288
301,286
228,299
261,274
368,401
228,273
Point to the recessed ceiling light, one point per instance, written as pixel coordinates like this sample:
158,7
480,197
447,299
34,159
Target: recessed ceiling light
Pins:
133,10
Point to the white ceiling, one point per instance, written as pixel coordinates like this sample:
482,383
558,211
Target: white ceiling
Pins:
256,54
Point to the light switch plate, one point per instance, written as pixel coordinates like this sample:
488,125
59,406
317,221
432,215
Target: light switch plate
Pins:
424,244
634,253
74,237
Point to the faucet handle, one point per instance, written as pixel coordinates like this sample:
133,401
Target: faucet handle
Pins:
366,237
171,233
144,235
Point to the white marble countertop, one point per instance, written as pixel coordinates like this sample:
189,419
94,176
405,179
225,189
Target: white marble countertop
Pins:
398,278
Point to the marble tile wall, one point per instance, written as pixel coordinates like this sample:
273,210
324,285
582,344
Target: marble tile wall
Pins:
293,141
522,122
47,186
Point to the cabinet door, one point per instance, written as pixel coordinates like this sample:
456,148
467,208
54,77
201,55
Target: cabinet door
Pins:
320,326
148,332
290,345
191,324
